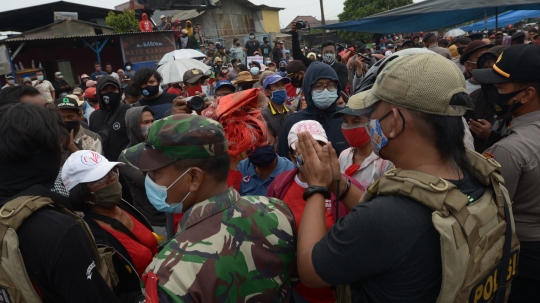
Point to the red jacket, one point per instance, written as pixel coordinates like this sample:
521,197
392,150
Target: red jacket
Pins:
278,189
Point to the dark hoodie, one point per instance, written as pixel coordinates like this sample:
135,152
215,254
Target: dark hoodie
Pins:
284,73
134,177
332,127
118,139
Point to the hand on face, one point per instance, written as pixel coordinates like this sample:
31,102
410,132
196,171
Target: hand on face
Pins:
316,160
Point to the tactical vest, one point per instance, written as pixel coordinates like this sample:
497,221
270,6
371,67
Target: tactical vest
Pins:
479,247
15,284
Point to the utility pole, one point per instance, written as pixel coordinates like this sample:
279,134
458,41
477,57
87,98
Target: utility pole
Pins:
322,20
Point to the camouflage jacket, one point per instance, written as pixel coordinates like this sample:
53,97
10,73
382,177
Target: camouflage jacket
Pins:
229,249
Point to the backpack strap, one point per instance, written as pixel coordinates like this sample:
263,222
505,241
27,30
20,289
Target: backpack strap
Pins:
14,212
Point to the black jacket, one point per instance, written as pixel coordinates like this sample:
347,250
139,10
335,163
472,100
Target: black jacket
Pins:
332,127
340,68
57,254
118,139
134,177
128,289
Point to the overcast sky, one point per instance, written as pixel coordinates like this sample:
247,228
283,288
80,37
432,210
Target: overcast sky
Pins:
292,8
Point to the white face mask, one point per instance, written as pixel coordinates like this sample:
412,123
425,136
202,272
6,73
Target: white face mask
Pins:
11,81
128,67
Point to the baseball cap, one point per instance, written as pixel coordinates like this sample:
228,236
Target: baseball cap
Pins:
90,93
84,76
223,83
348,111
77,91
517,63
9,76
517,35
177,137
193,75
27,79
162,16
125,78
463,40
473,47
84,166
428,35
67,103
59,75
311,126
295,66
407,80
274,78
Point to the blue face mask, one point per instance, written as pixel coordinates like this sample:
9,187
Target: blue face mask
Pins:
254,70
268,62
279,96
325,98
378,139
157,195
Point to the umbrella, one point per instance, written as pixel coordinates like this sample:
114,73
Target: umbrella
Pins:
173,71
181,54
454,33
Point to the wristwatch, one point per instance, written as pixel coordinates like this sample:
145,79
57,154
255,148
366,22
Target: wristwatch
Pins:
310,191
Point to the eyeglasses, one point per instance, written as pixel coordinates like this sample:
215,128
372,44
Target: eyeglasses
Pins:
111,174
330,87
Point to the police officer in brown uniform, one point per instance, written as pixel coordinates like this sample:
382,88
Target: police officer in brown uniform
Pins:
516,76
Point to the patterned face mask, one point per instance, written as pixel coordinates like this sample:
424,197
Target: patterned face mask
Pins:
378,138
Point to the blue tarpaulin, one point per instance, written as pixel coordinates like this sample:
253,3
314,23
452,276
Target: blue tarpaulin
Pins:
505,19
431,15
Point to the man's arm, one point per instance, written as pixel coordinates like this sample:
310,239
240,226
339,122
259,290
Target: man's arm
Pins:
296,50
343,75
510,167
74,274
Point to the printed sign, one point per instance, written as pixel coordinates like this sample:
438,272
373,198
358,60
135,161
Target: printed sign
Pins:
145,47
259,59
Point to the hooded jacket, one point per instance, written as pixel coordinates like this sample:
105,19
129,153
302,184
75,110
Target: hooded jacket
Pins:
283,74
332,127
145,25
134,177
118,139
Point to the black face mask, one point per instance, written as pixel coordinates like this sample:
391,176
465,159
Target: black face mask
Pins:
296,82
72,126
247,86
282,68
150,90
499,102
263,156
111,98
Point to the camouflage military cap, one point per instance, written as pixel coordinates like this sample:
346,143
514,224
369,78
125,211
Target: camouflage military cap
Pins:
175,138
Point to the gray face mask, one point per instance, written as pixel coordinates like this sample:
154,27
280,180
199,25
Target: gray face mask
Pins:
324,99
109,196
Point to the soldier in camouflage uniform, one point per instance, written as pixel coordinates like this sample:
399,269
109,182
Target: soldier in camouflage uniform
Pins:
228,248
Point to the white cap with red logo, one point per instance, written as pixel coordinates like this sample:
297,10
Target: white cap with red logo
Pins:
311,126
85,166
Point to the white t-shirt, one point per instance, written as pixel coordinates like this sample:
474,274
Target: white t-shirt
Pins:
471,87
45,88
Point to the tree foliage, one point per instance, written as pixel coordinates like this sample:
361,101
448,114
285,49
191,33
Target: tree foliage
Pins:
124,22
356,9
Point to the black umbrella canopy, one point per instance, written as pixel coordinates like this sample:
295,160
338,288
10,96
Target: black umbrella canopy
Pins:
432,15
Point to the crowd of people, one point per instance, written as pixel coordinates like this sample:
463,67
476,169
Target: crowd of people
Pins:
359,175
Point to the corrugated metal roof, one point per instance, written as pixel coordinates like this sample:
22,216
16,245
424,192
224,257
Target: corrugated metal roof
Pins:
15,39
